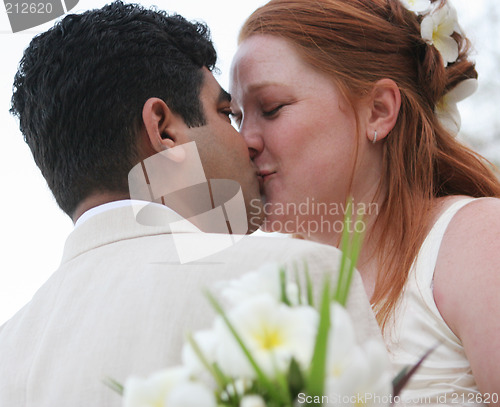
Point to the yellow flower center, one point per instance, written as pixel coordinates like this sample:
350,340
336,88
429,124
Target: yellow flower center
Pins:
337,370
438,31
269,338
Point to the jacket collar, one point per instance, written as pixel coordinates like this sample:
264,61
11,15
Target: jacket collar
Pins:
126,222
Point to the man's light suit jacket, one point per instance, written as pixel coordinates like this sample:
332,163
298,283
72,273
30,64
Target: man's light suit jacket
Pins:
120,304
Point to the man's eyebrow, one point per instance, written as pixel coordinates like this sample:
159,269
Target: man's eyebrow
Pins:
224,96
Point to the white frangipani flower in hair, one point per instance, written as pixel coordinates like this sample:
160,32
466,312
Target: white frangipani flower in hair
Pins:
167,388
273,333
447,110
437,28
417,6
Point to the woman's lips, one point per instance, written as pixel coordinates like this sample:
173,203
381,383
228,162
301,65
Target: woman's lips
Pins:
264,176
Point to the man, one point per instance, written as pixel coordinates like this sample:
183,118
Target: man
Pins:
98,96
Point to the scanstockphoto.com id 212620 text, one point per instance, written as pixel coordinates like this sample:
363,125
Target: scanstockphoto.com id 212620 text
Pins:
458,399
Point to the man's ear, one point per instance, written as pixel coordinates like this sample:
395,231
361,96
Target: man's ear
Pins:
383,109
164,128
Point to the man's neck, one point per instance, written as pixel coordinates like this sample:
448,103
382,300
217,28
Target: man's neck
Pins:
96,200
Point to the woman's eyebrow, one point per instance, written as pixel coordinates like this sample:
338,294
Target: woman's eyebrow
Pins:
260,85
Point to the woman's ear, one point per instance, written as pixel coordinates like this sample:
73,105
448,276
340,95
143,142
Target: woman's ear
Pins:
383,109
158,121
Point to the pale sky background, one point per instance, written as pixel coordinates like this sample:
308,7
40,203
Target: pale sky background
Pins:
34,229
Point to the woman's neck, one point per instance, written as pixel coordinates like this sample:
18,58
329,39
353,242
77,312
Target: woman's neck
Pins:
367,206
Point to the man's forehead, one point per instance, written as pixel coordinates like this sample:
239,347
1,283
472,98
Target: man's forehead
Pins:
212,88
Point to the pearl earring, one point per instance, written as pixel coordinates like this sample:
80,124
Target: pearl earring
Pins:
374,137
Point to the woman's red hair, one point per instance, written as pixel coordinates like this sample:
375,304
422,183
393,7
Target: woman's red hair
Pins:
357,43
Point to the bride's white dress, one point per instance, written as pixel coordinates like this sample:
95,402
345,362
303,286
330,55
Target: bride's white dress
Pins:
445,378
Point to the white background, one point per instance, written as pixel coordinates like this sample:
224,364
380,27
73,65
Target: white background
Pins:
33,229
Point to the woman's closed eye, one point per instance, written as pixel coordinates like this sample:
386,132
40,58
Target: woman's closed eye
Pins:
272,112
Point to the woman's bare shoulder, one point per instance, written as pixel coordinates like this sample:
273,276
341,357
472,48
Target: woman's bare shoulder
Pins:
467,282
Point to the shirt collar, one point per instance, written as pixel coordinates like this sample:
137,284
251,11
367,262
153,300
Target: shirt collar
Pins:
114,205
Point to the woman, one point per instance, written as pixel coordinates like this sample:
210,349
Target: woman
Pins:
349,97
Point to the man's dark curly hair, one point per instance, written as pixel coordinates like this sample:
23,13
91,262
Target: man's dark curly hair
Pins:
81,87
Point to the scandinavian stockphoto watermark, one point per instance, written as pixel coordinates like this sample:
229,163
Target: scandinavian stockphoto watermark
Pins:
310,216
25,14
175,178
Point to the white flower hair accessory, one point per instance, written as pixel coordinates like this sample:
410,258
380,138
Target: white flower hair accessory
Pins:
417,6
436,29
447,110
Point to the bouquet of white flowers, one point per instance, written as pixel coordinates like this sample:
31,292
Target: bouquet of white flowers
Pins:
275,345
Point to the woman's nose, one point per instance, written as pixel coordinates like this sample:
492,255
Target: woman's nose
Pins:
253,139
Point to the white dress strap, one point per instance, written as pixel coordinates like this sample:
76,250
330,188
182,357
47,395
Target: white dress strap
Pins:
427,257
419,325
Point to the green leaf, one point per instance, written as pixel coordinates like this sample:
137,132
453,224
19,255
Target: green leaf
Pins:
355,250
309,285
225,395
226,380
284,296
114,385
283,385
316,379
405,375
351,249
400,376
234,397
261,376
345,247
297,280
220,378
296,381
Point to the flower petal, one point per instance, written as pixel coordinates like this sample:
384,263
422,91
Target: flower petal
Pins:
366,377
341,341
207,342
252,400
418,6
191,394
427,29
445,19
266,279
152,391
272,331
449,116
448,48
462,91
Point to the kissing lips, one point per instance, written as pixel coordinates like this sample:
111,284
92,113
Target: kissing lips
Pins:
263,177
